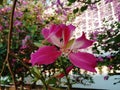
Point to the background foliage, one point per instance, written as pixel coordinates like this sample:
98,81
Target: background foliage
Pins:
29,19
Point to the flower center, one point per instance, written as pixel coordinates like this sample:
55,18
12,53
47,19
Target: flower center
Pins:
65,52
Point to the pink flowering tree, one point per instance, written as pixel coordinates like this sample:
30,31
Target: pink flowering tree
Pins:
18,35
36,42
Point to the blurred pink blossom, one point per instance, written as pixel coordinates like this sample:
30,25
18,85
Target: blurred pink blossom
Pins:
100,58
5,9
93,7
17,23
117,8
23,2
109,56
106,77
18,14
24,42
110,67
108,1
94,35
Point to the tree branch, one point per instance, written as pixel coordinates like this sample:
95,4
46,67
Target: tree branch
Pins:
7,60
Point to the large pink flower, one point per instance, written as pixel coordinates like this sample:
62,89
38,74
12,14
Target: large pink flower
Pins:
64,45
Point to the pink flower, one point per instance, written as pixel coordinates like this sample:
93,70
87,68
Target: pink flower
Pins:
24,42
23,2
94,35
117,11
100,58
5,9
61,37
110,67
108,1
106,77
17,23
93,7
18,14
58,2
109,56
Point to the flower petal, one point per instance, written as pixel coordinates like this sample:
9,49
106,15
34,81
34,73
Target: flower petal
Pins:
58,35
67,32
82,42
45,33
53,35
71,27
48,33
83,60
45,55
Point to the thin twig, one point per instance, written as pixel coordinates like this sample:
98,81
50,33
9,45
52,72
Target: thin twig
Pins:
3,66
9,42
9,46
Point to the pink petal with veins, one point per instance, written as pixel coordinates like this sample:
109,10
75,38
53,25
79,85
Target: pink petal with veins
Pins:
83,60
45,55
58,34
67,32
53,35
45,33
82,42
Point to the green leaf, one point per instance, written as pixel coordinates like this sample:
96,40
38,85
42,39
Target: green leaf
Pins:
89,2
75,10
38,44
83,8
118,25
35,71
52,81
32,29
117,39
